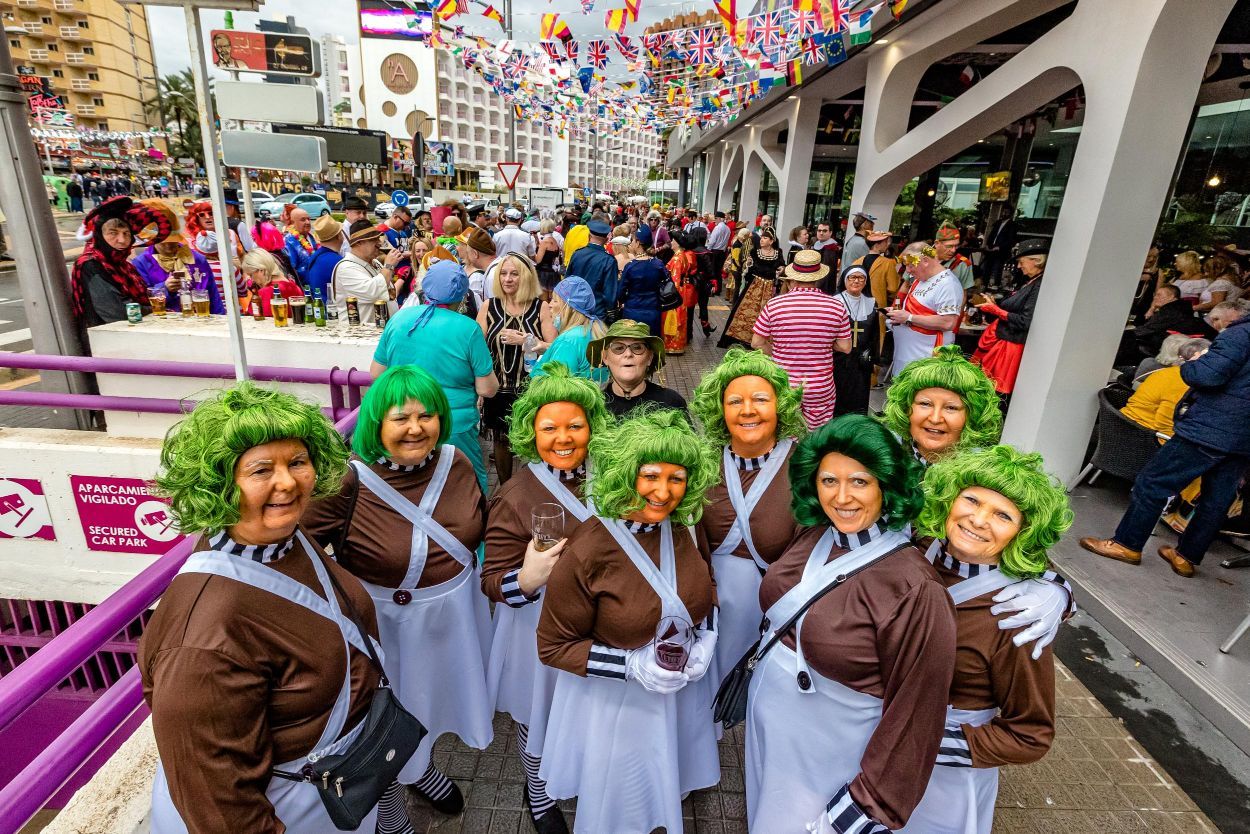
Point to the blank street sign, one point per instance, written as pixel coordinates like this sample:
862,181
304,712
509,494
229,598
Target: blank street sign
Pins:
273,151
301,104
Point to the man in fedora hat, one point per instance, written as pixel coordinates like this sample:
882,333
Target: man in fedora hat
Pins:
801,329
631,355
359,274
929,310
600,269
355,209
331,243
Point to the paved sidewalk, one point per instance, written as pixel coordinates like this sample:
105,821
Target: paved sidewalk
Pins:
1096,778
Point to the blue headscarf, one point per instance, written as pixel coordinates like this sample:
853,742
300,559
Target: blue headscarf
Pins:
444,283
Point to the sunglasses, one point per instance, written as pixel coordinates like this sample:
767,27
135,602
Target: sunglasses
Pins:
621,348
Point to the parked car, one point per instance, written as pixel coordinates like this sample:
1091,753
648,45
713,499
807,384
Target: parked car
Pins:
314,204
415,204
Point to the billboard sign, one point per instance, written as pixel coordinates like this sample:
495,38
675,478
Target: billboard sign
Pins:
386,19
275,53
346,146
440,159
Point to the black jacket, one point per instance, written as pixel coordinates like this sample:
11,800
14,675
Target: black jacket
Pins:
1219,396
1174,317
1019,306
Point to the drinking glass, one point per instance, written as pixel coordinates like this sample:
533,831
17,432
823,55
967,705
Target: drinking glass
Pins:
547,525
199,302
298,309
156,295
673,639
279,308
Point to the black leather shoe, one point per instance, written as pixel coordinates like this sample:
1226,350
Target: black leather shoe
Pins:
450,805
551,822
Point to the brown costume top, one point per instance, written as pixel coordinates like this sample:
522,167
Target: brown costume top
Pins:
889,632
379,539
596,595
772,525
991,671
240,680
508,532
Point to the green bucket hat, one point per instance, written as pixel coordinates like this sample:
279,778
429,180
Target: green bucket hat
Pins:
627,329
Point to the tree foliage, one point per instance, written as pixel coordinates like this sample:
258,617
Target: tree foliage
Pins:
174,106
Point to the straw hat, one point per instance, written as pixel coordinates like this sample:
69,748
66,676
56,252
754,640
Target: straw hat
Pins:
807,267
326,229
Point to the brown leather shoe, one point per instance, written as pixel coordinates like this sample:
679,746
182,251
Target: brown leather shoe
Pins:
1112,549
1180,565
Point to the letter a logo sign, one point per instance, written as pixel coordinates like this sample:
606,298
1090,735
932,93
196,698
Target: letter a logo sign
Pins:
510,171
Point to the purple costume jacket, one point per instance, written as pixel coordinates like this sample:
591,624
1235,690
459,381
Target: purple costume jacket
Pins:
200,272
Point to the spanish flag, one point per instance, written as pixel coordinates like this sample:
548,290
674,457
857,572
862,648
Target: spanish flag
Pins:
616,20
446,9
553,28
493,14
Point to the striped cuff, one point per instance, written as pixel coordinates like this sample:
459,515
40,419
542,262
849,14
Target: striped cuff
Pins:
710,621
847,817
510,587
954,751
1053,576
606,662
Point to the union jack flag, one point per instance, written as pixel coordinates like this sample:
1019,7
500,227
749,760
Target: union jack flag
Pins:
813,52
769,29
519,63
588,6
597,52
551,48
702,46
570,49
629,51
806,22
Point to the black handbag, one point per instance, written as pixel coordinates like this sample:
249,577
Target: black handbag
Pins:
670,296
352,782
730,706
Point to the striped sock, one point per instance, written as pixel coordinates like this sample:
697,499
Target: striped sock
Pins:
392,816
434,784
540,803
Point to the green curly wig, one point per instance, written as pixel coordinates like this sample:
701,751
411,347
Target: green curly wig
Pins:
946,369
860,438
202,450
396,386
709,398
557,385
1014,475
650,435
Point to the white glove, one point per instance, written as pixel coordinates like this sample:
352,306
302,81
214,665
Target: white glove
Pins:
701,654
821,825
1035,603
640,666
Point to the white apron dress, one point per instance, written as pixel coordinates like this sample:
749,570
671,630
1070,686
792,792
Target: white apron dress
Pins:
960,800
519,684
627,754
438,637
297,804
803,746
738,579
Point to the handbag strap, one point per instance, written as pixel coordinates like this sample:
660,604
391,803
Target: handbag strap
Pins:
357,620
841,578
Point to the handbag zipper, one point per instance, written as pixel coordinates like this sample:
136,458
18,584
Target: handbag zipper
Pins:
338,786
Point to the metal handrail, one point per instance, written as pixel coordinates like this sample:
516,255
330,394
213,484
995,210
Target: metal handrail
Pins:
56,764
142,405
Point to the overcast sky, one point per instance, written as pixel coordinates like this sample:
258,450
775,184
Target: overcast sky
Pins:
169,39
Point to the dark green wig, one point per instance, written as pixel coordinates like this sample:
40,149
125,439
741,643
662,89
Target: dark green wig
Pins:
202,450
946,369
1014,475
557,385
650,435
396,386
709,398
860,438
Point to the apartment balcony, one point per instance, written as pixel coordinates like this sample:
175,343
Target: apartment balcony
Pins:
34,28
43,56
74,33
28,4
84,109
79,59
83,85
73,8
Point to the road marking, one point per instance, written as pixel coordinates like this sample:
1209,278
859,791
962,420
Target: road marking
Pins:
21,382
14,336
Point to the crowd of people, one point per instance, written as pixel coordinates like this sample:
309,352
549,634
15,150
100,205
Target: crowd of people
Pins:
897,562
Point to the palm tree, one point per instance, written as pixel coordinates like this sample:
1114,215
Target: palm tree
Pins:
175,105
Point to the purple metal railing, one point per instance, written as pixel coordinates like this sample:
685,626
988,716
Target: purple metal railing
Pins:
121,705
337,379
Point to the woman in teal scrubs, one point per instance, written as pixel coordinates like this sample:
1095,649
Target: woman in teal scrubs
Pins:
573,308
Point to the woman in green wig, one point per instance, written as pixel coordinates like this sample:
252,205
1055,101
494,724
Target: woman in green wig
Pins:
994,514
629,615
242,673
552,423
407,523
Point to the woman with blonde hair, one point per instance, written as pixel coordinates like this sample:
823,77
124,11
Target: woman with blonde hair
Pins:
1221,285
515,321
622,245
573,317
1189,279
264,276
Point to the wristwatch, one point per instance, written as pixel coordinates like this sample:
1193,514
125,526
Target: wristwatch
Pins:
909,319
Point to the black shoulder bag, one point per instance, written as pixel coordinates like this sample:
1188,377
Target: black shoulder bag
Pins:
352,782
730,707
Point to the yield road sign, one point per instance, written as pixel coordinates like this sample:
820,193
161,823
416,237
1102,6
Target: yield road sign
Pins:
399,198
509,171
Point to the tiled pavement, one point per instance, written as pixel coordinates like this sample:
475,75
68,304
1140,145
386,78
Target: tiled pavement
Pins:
1096,778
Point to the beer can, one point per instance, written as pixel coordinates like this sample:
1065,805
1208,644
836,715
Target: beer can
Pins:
353,311
380,311
134,313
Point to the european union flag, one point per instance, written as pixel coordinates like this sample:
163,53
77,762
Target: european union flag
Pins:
586,76
835,50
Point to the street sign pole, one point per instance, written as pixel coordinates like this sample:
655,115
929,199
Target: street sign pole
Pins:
212,167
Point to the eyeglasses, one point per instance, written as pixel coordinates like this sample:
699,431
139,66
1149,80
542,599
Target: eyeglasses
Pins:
620,348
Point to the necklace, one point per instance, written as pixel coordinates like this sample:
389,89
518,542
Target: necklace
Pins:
632,392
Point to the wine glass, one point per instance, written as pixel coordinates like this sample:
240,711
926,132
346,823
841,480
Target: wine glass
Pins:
547,525
673,638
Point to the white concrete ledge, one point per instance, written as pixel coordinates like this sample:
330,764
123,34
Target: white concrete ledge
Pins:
118,799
